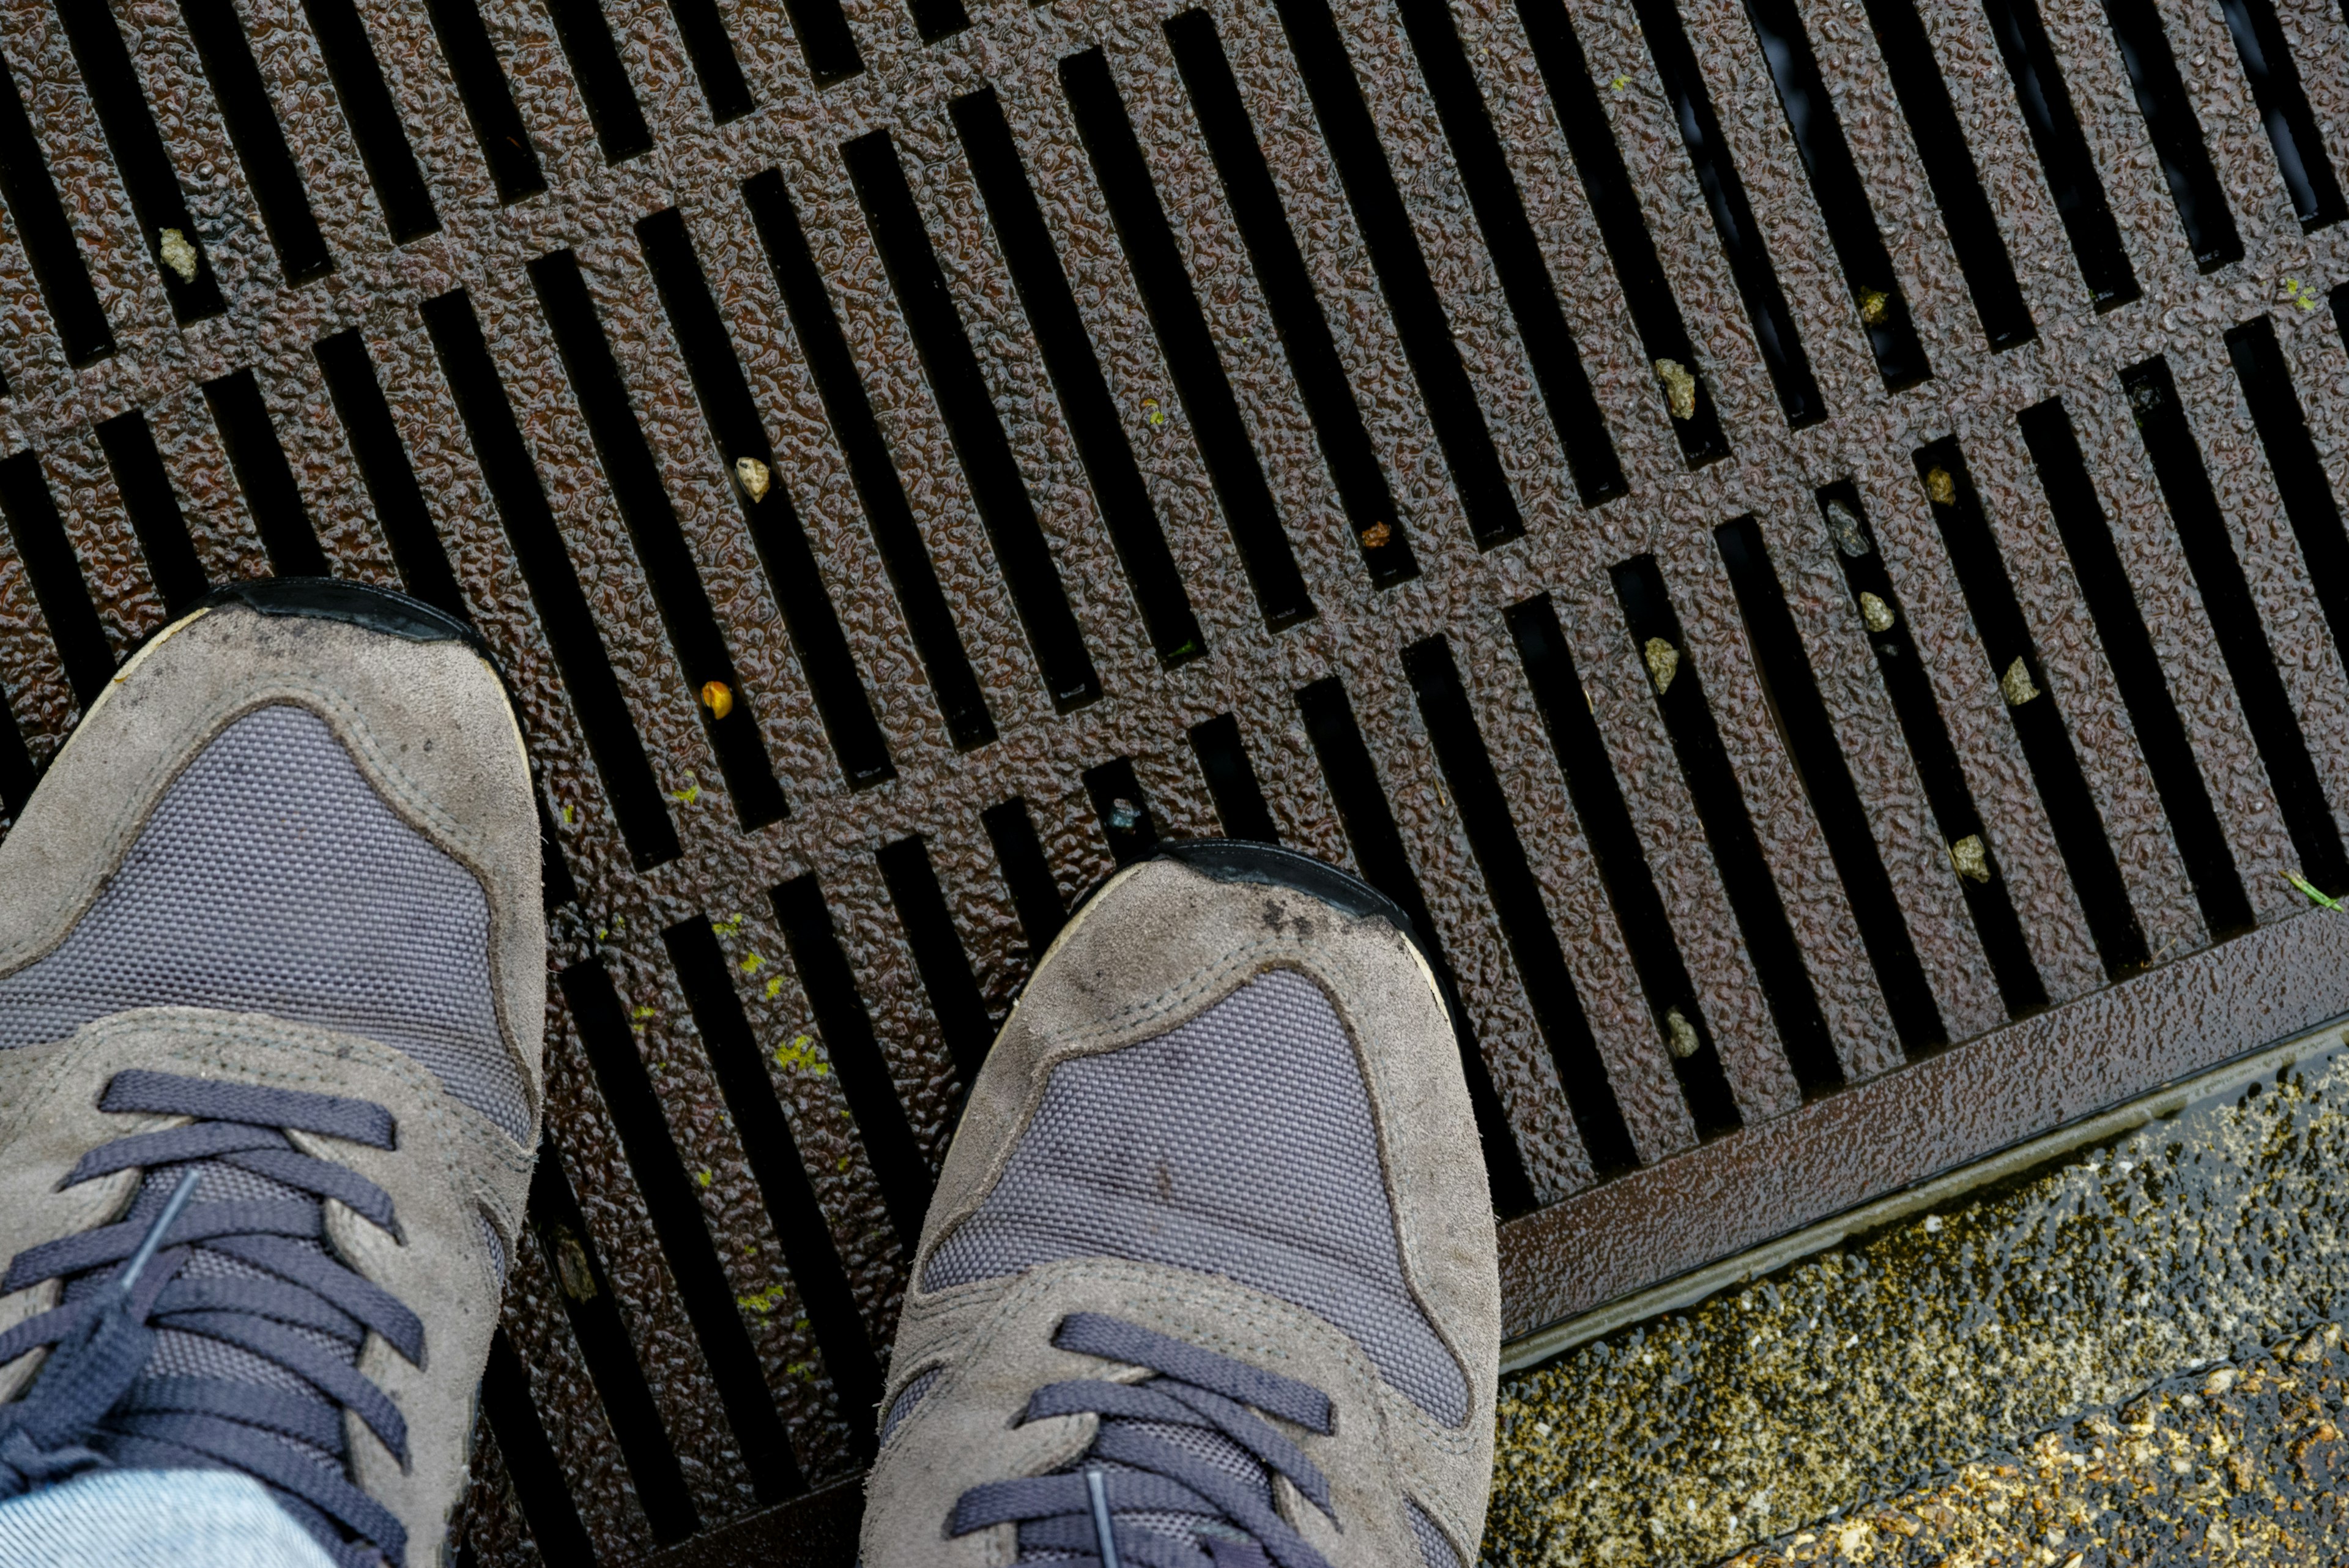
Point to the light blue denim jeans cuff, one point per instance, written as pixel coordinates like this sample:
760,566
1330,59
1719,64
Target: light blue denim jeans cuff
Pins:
154,1519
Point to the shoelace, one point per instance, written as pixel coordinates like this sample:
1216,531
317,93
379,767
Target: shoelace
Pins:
1146,1494
281,1296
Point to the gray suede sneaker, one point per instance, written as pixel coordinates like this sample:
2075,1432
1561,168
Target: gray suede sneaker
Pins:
1209,1279
271,948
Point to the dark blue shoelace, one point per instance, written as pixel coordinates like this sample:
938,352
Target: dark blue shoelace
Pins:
95,1405
1137,1499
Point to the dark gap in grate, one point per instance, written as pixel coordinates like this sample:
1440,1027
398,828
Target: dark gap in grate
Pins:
1127,511
1655,313
584,1289
2038,721
1231,778
2234,615
764,1130
137,145
1910,689
1733,216
953,683
2063,147
1412,304
539,1488
939,954
1517,255
936,19
45,234
250,117
547,571
1127,821
1184,336
2176,134
1966,214
825,39
733,415
703,31
58,585
959,387
271,493
487,97
1843,201
400,511
1719,803
556,887
18,771
1790,687
1035,894
373,118
585,34
2136,666
682,1230
154,508
678,593
2293,132
1377,846
1623,869
2308,501
1516,901
1296,315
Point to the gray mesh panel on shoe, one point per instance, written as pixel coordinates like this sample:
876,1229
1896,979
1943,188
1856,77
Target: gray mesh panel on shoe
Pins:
907,1397
1237,1144
1431,1544
272,878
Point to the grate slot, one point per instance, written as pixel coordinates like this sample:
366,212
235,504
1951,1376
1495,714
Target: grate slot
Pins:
18,771
825,40
703,31
1791,689
487,97
373,118
1719,803
246,110
47,236
936,19
267,478
1910,690
1035,895
1127,512
1450,398
1517,255
2063,147
1606,182
554,582
1818,135
2218,571
154,509
2176,134
584,1288
733,415
938,954
58,587
1232,784
2300,152
900,1167
972,424
634,473
1305,336
2072,811
1377,843
1126,819
539,1488
1623,870
1186,340
953,683
401,509
585,34
1966,214
2136,666
556,887
137,146
835,1320
1517,898
1733,216
682,1230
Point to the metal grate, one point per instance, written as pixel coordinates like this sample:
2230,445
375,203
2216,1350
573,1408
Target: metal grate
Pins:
1791,536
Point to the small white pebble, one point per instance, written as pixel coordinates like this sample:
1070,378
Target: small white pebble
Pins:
1932,1222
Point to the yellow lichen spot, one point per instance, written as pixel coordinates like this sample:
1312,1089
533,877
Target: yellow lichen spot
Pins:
702,1178
754,477
845,1161
765,1301
566,816
718,697
641,1013
178,254
2015,685
775,988
1972,857
1620,83
690,794
1941,488
1875,305
1875,613
727,927
1154,413
802,1053
1663,663
1679,387
754,964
